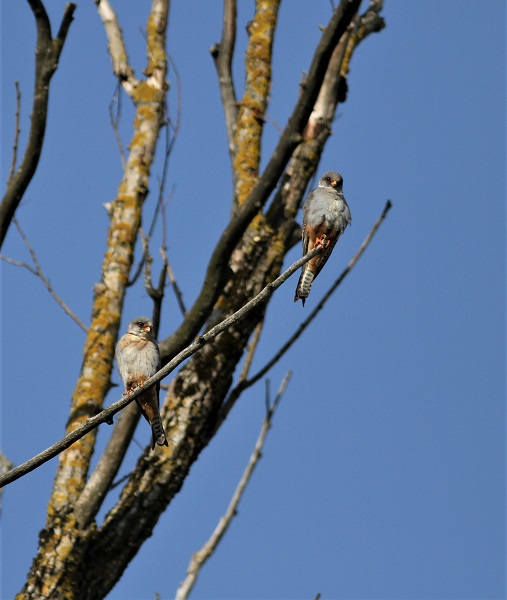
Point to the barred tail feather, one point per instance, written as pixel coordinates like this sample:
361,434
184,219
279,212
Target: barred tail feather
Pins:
158,432
304,285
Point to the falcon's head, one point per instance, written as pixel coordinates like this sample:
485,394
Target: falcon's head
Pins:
142,327
332,179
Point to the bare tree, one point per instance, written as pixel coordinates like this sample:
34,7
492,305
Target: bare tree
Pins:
243,270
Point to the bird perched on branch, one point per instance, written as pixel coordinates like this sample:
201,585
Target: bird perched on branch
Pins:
138,358
325,217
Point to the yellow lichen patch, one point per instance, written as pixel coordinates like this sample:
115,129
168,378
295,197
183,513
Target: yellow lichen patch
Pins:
353,42
143,92
145,112
156,45
257,224
120,233
138,140
253,105
127,200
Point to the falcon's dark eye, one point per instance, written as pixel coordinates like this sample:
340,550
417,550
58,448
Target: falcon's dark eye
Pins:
327,179
140,324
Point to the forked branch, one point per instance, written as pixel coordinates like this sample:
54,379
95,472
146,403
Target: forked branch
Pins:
201,556
222,54
47,56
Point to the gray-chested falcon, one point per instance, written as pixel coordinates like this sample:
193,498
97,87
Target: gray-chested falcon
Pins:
325,217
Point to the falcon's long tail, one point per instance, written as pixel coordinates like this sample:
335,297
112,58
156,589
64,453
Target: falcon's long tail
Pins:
304,285
158,432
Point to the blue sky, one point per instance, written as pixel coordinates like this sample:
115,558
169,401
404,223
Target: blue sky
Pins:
384,473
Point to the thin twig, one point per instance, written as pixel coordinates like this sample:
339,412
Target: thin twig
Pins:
163,252
18,263
115,120
16,133
201,556
244,384
177,125
174,284
148,260
251,350
37,271
105,416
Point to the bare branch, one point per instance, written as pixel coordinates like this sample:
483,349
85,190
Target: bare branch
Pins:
47,55
201,556
368,22
174,284
105,416
18,263
117,49
163,252
244,384
252,347
16,132
101,480
37,271
177,123
222,54
115,120
156,294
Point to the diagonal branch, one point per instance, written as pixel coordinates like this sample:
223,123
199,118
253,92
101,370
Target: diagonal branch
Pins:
37,271
16,132
115,121
47,55
243,384
105,416
252,347
201,556
217,270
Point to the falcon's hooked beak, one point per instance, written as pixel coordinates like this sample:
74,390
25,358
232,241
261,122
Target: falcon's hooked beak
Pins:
334,182
147,328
